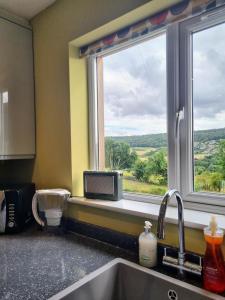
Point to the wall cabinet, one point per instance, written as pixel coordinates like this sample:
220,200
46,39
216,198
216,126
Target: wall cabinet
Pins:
17,115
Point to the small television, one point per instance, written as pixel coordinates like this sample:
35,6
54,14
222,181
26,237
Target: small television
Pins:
103,185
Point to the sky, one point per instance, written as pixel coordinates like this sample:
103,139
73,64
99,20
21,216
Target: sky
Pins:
135,85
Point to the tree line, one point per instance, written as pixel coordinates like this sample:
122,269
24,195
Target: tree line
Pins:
209,171
119,156
159,140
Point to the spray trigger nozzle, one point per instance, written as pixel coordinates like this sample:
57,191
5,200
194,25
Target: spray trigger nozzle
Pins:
148,225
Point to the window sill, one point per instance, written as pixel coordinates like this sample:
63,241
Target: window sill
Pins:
192,218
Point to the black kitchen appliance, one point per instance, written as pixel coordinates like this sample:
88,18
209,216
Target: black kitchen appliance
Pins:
106,185
15,206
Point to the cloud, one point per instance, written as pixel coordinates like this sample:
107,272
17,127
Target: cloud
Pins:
129,125
127,95
209,72
135,81
135,85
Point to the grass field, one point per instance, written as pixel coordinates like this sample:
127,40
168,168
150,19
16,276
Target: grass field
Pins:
135,186
141,187
142,151
199,156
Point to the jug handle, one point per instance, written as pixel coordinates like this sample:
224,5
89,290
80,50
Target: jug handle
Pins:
34,210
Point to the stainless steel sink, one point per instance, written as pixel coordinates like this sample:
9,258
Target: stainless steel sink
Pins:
123,280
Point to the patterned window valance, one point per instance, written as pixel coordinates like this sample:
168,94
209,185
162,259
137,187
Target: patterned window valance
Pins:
181,11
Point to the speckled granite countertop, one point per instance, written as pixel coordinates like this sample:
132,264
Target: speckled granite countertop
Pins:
37,265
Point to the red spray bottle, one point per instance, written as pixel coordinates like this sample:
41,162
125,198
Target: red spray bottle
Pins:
213,264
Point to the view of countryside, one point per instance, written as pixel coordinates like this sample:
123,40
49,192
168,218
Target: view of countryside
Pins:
135,116
143,160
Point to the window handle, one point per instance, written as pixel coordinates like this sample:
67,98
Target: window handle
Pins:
179,117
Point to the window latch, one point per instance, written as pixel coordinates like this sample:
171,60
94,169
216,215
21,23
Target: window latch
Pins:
179,117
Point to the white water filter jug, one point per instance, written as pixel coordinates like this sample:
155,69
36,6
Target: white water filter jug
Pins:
48,206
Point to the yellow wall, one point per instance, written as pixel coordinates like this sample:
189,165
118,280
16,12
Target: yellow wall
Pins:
79,90
53,29
61,103
194,239
134,225
79,119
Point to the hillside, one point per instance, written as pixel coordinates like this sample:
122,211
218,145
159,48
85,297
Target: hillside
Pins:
159,140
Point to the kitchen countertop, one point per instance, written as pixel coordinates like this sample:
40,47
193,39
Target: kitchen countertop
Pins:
38,264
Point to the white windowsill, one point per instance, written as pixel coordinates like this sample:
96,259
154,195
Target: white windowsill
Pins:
192,218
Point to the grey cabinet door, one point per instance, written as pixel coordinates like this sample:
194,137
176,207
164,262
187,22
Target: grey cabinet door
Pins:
17,116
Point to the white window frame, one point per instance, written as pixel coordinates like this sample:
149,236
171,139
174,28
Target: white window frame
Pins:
179,102
93,115
213,202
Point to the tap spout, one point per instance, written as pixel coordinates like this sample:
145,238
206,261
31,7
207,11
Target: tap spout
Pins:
161,221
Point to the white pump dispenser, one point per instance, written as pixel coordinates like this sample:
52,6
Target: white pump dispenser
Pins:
147,247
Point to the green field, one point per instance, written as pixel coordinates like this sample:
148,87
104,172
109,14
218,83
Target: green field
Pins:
199,156
141,187
143,152
143,161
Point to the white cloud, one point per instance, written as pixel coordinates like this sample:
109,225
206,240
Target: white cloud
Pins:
135,85
135,126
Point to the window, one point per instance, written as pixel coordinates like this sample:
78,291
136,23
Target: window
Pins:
203,95
135,119
157,111
209,109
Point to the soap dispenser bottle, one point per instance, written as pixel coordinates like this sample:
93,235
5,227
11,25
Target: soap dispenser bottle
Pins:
147,247
213,263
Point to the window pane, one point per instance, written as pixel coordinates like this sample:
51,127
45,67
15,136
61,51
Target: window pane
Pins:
135,121
209,109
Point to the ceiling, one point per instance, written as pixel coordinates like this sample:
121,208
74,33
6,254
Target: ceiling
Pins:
25,8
